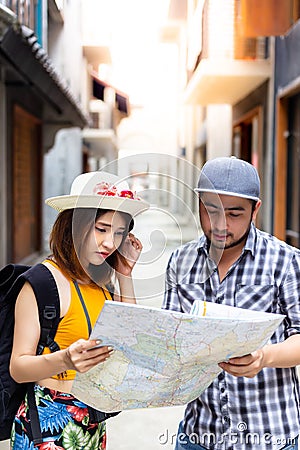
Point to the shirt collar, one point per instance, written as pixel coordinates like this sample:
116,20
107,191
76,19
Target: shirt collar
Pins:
251,240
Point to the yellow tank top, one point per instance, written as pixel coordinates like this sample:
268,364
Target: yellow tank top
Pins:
74,325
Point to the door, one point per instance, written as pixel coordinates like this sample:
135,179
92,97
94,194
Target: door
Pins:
26,185
293,173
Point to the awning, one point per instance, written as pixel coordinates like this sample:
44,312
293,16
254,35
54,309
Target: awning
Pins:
29,64
122,100
98,88
122,103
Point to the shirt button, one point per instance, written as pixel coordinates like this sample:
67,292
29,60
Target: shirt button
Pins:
222,390
226,419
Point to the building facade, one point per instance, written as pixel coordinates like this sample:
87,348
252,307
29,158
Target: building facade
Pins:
36,101
241,97
287,135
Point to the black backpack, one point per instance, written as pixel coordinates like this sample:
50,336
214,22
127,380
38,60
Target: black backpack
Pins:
12,279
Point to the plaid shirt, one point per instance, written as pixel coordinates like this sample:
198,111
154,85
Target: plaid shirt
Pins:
238,412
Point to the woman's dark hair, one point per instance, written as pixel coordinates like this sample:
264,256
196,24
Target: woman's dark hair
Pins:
67,238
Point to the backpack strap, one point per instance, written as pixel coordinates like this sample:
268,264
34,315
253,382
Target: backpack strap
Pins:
100,416
86,313
34,416
47,297
46,293
110,288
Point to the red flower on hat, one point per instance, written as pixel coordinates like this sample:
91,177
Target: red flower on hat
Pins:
104,188
126,194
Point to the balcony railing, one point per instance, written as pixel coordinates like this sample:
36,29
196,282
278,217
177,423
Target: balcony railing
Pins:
24,10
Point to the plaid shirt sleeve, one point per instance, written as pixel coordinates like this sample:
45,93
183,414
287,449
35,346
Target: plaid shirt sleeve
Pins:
171,300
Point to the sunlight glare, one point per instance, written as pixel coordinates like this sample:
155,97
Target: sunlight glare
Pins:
135,47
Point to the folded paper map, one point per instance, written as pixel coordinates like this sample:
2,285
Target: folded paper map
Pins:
166,358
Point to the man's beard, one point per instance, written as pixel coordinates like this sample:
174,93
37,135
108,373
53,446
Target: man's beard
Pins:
232,244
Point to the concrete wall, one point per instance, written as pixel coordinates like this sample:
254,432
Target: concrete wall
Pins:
65,47
61,165
219,131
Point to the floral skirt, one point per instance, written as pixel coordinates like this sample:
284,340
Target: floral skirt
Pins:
64,422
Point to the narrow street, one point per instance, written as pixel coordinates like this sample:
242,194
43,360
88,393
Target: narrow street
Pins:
160,233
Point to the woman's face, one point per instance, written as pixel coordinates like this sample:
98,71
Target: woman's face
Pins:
104,238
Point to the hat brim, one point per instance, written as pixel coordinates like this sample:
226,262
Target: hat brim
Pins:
126,205
233,194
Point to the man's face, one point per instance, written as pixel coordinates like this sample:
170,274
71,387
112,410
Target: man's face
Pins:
226,219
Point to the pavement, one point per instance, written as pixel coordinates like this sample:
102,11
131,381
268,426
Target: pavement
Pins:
144,429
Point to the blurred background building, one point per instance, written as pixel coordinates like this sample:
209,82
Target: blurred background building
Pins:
149,90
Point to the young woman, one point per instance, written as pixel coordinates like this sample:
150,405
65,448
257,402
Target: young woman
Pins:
91,244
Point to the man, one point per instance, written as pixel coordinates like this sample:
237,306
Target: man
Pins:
254,402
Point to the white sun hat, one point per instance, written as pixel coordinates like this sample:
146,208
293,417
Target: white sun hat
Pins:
101,190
